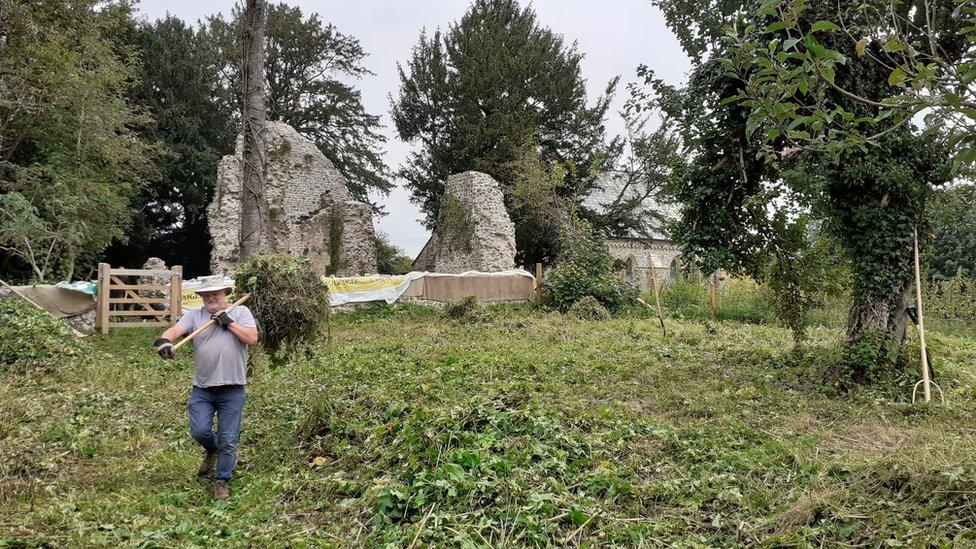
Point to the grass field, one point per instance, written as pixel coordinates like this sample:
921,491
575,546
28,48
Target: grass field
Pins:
509,427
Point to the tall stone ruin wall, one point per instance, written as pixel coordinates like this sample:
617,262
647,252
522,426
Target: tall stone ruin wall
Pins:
473,232
309,208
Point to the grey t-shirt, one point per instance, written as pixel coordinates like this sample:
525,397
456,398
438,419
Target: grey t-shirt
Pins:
220,358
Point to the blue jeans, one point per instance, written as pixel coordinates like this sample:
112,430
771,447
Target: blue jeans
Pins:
227,402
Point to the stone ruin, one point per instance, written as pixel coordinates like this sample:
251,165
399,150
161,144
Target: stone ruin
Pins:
473,231
309,206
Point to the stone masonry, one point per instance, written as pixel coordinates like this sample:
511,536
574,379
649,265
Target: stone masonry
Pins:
473,232
637,256
309,208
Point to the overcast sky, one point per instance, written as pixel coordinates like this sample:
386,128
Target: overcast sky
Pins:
615,35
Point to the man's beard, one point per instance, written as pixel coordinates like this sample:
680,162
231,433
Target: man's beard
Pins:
212,308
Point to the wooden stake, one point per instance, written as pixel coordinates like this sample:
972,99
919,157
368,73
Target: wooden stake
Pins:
104,280
209,323
926,384
27,299
657,297
711,295
538,281
175,294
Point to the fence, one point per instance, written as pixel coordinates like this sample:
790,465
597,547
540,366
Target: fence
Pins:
122,302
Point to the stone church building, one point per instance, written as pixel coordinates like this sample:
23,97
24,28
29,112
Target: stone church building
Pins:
635,252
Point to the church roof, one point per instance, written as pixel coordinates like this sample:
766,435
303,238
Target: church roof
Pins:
609,187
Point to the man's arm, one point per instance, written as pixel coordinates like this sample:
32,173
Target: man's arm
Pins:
248,335
164,344
243,327
174,331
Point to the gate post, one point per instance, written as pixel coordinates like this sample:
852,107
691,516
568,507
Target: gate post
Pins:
103,293
175,294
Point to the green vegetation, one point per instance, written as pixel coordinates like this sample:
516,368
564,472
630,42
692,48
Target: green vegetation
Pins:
524,428
951,220
465,308
455,219
586,269
288,299
195,118
588,308
953,300
750,187
390,258
33,340
310,67
738,299
494,85
70,152
335,242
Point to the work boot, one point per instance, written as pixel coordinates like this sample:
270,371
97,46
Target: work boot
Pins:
221,491
207,464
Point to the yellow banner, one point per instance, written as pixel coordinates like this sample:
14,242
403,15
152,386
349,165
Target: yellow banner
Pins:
361,283
337,285
190,299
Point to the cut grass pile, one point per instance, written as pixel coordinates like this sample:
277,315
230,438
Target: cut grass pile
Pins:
511,428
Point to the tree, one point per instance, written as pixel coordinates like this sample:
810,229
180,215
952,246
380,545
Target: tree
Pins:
390,259
70,158
473,97
737,207
194,117
307,64
925,50
644,197
951,222
254,203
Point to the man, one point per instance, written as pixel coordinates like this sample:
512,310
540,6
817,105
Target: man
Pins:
220,359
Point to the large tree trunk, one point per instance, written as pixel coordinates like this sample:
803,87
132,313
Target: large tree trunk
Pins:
876,200
882,273
254,206
876,330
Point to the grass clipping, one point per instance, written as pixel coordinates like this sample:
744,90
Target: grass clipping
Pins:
288,299
34,340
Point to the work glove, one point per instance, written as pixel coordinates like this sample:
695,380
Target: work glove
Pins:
164,347
223,319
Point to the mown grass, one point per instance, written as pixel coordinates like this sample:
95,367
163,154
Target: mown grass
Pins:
504,427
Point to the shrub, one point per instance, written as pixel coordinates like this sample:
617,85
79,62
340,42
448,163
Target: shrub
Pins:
288,299
589,308
31,339
390,258
685,299
745,300
585,268
465,308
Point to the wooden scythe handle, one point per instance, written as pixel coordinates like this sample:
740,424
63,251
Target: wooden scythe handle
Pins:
209,323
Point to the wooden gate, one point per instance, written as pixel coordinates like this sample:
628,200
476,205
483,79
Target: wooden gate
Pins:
122,302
